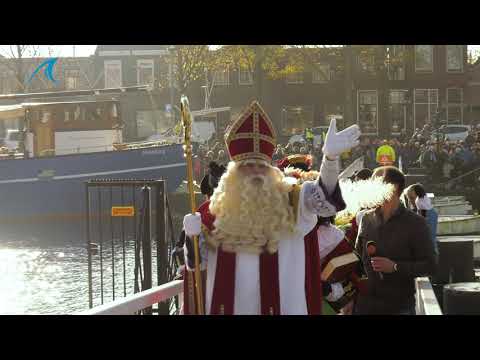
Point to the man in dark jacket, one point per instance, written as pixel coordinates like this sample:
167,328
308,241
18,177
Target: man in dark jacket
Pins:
396,247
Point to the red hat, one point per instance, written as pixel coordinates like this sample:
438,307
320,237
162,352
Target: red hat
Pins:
251,136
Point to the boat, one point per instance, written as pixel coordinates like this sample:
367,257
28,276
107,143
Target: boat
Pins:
458,225
64,144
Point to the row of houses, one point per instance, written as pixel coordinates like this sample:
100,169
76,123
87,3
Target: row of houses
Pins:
386,89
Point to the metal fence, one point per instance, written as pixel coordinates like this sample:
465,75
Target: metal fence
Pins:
129,235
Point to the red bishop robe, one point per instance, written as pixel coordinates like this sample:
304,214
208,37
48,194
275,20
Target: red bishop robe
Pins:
287,282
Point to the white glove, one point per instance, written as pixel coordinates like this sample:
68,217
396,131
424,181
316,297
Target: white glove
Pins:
337,143
336,293
192,224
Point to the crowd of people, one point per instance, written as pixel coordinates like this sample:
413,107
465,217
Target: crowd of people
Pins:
441,159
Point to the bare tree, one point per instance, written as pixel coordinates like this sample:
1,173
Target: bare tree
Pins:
14,59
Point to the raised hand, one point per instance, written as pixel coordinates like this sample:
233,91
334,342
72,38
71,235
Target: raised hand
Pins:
337,143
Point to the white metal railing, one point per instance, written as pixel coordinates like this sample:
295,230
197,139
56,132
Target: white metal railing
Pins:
139,301
427,303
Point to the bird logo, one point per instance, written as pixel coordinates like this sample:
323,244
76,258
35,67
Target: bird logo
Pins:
48,67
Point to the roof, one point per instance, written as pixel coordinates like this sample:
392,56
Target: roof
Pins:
31,104
210,111
8,112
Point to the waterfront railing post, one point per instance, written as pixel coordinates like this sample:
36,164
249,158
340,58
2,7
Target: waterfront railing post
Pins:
89,247
162,248
147,243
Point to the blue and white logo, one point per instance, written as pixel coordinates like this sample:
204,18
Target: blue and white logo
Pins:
48,69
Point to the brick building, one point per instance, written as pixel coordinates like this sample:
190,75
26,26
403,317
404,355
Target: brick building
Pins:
393,88
386,89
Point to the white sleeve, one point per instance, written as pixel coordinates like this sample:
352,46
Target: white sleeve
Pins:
329,174
306,217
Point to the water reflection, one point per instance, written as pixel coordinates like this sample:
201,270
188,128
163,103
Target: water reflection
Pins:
53,279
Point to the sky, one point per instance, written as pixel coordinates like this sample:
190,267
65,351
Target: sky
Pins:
59,50
87,50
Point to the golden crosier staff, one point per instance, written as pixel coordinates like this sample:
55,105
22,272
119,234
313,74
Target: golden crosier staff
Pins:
187,125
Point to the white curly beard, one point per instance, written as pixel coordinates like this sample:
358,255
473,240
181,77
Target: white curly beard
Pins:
250,212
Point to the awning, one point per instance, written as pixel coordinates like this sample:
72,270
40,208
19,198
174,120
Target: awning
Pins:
210,111
8,112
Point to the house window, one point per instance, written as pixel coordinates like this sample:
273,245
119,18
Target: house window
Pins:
113,73
222,77
321,73
454,106
296,118
72,78
398,111
366,63
145,73
245,77
396,62
295,78
424,58
455,58
367,111
425,107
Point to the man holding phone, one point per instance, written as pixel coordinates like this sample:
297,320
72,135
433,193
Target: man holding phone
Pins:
395,247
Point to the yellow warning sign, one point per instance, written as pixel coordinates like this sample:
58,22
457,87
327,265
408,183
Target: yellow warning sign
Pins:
119,211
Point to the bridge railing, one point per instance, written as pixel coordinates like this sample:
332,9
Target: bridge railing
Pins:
427,303
131,304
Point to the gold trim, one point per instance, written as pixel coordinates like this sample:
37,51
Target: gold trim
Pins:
254,110
251,155
256,133
251,135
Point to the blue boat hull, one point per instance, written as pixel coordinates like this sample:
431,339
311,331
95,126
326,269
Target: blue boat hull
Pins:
49,193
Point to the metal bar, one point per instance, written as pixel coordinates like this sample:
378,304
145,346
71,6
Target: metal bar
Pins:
113,245
133,303
101,242
110,182
427,303
123,247
89,250
162,248
146,245
135,222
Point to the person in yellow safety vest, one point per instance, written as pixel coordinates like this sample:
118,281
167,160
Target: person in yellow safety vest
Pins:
385,154
309,135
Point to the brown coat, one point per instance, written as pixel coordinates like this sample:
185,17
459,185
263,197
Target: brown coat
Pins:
405,239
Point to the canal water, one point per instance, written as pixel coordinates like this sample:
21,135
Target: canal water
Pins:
41,278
